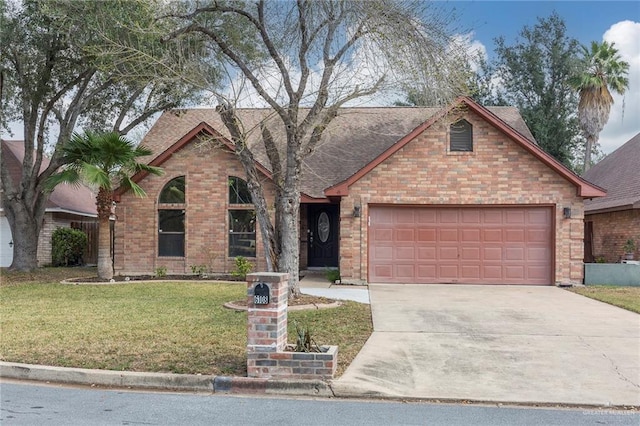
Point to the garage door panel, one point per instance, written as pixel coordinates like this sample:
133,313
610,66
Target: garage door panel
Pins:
514,272
514,253
383,234
470,216
381,253
476,245
426,235
492,253
405,272
448,235
515,235
537,235
470,273
449,272
492,235
515,217
384,272
427,253
538,254
448,253
426,273
404,253
471,235
470,253
404,235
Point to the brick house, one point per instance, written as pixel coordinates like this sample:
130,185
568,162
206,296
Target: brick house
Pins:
409,195
67,207
612,220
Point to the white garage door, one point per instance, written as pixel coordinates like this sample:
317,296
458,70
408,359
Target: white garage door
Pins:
6,243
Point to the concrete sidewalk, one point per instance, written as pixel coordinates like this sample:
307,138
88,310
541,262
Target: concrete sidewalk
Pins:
316,284
496,343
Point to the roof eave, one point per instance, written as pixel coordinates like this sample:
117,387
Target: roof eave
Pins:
612,209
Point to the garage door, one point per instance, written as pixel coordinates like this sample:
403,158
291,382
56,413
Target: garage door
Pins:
473,245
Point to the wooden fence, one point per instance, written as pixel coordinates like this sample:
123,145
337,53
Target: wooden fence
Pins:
90,255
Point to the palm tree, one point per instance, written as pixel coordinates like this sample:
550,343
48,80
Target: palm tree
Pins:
604,71
103,161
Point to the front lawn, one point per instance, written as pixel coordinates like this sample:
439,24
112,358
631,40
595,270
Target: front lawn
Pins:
624,297
177,327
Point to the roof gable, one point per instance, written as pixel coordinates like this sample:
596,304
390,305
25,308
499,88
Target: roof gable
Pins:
584,188
619,174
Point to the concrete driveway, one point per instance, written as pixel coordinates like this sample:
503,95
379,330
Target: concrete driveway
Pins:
496,343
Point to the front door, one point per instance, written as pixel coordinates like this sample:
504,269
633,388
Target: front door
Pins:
323,235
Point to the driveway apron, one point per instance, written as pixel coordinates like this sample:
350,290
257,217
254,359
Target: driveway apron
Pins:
496,343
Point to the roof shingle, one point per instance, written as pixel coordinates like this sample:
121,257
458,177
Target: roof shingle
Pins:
619,174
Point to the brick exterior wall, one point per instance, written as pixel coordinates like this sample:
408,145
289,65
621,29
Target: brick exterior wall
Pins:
206,171
497,172
611,231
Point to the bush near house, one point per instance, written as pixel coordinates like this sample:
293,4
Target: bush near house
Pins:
67,246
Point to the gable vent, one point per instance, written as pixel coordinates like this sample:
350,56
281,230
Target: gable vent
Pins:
461,136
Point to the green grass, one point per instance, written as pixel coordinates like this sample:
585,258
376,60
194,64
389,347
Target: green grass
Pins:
158,327
625,297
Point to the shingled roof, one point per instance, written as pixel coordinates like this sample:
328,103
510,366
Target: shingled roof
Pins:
356,140
352,140
619,174
65,198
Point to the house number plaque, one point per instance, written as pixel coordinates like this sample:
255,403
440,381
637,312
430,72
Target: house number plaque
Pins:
261,294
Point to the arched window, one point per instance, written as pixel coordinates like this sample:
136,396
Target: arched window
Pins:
461,136
242,220
173,192
171,215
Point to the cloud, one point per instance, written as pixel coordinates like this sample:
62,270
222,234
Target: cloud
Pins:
624,120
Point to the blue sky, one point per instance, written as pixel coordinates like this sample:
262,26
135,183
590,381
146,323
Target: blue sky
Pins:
617,21
586,20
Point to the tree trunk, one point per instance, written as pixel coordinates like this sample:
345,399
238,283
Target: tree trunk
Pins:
104,201
25,230
289,230
587,153
105,266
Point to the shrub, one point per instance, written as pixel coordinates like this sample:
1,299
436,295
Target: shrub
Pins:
332,275
161,271
67,246
243,267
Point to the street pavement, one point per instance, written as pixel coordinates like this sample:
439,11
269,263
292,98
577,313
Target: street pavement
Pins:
27,404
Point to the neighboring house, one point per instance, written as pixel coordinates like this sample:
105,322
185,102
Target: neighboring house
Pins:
612,220
396,195
68,206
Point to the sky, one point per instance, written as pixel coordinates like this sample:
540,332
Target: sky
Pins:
614,21
586,21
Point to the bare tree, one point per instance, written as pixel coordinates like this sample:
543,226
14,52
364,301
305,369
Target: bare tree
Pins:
323,55
305,60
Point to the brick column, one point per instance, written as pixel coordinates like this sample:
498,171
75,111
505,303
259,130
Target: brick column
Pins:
266,324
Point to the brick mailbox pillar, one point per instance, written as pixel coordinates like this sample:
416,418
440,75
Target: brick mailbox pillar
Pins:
267,353
267,295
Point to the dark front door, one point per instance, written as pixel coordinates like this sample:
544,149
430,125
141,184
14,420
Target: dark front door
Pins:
323,234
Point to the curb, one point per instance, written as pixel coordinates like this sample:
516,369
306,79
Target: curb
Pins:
164,381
